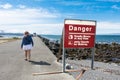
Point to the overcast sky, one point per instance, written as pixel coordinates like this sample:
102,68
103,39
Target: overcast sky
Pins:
47,16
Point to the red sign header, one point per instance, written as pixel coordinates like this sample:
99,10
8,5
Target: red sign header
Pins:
79,34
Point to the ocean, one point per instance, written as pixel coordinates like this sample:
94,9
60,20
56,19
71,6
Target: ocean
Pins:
98,39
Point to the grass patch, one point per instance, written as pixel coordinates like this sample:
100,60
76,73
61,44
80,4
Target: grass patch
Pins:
3,40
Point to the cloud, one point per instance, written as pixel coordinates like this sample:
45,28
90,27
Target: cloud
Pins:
21,6
39,20
116,7
107,27
6,6
26,16
47,21
55,28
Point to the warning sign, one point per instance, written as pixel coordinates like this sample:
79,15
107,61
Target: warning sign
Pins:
79,34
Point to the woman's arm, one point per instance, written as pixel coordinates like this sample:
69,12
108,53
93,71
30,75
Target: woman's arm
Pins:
22,43
31,41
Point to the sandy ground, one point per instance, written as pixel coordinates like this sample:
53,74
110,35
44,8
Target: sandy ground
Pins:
3,40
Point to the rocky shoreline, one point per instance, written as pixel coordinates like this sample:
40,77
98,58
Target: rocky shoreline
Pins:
104,52
106,64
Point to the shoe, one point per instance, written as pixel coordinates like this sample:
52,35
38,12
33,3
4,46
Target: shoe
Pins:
25,59
28,60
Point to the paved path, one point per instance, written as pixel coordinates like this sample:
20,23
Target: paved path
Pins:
14,67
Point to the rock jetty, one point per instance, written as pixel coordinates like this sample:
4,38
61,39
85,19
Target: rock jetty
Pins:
104,52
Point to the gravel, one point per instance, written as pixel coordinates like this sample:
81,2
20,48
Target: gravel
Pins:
102,71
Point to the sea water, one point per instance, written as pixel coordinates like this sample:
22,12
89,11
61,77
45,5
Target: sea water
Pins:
98,38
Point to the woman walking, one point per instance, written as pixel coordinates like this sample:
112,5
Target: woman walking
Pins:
27,44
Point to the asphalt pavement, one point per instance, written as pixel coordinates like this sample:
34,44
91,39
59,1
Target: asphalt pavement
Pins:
14,67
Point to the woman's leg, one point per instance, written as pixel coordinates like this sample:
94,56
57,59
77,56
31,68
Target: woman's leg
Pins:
25,55
29,54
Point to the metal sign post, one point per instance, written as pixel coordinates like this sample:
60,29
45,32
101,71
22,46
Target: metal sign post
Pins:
63,56
92,63
93,51
63,60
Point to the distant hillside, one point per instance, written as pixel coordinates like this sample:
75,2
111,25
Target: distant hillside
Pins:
11,33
